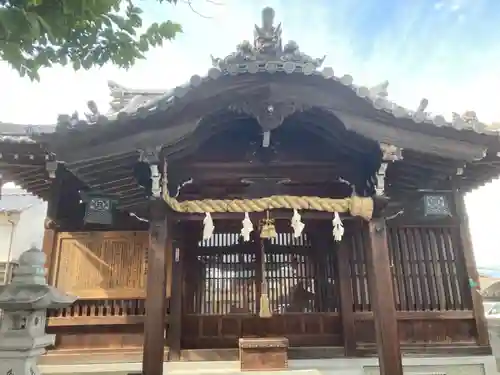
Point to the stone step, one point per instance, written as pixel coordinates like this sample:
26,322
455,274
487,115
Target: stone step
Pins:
470,365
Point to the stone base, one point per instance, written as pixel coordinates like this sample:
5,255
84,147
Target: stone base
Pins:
422,365
19,366
20,362
260,354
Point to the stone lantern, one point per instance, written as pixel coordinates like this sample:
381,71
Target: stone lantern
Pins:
24,303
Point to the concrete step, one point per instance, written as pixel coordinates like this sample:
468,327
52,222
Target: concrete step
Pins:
470,365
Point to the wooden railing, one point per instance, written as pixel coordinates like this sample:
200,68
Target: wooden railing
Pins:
99,312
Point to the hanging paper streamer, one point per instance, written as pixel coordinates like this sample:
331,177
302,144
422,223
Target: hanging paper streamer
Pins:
338,228
297,224
208,226
247,228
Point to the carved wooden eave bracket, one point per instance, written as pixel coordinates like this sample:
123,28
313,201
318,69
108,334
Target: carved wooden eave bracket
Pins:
151,156
269,114
390,153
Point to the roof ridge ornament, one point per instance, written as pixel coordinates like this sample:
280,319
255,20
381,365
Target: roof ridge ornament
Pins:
267,54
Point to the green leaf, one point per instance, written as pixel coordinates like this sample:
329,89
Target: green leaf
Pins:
87,33
34,24
45,26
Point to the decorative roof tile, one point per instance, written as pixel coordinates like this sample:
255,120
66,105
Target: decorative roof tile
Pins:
16,139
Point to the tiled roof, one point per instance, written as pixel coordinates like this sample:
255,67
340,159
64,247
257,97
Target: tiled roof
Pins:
492,292
141,103
16,200
268,55
260,58
17,133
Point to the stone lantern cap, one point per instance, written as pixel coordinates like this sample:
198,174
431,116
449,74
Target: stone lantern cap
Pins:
28,289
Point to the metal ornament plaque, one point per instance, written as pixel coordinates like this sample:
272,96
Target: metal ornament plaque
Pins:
99,211
436,205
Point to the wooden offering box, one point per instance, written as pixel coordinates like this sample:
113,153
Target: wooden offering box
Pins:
269,353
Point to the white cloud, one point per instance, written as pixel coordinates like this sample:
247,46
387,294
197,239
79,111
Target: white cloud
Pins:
438,5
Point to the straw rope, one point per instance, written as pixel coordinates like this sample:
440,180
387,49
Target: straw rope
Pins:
356,206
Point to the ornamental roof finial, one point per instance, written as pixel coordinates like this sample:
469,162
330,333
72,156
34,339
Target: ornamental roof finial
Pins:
267,38
267,54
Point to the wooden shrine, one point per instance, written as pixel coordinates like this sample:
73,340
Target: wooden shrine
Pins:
267,199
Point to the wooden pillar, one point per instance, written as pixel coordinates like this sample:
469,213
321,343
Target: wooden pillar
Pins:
154,325
382,298
470,265
49,243
346,299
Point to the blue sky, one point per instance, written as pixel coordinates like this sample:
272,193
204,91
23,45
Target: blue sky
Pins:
447,51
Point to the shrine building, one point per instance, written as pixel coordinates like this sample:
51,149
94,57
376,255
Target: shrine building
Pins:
269,212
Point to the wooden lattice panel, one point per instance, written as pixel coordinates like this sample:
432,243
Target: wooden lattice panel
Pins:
101,264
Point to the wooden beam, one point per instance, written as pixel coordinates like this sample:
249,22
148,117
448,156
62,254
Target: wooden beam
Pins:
382,298
154,325
312,171
356,114
471,269
346,299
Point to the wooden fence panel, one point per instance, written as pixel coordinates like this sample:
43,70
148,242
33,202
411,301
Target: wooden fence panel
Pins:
101,264
428,270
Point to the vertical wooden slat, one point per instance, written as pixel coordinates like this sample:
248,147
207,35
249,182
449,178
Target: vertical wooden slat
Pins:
381,297
259,277
356,293
424,276
154,325
430,264
398,270
175,317
408,272
415,270
470,265
452,270
346,298
440,270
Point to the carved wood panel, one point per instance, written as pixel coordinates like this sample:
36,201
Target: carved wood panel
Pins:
101,264
446,327
223,331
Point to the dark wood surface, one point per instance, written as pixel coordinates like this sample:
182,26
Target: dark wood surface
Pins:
174,334
346,299
430,288
160,241
382,298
